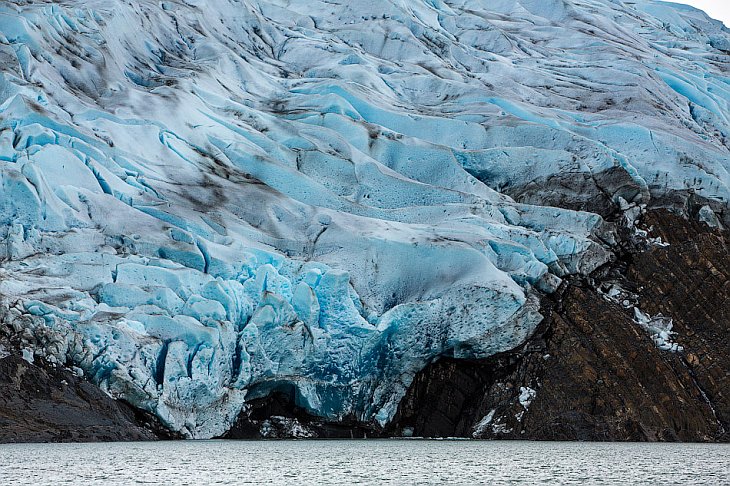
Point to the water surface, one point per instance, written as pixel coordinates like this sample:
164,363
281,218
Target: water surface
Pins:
363,462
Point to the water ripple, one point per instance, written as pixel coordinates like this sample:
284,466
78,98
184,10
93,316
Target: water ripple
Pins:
363,462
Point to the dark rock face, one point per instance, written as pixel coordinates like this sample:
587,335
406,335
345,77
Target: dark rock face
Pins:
40,403
590,372
690,281
276,416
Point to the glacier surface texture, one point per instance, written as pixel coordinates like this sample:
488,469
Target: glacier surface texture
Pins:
204,202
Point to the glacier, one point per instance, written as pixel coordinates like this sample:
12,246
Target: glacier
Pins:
204,202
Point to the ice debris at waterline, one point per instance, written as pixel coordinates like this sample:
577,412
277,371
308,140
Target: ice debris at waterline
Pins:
205,202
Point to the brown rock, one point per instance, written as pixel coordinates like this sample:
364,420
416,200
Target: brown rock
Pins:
40,403
600,376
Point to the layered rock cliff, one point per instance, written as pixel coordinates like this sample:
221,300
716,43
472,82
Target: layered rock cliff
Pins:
592,371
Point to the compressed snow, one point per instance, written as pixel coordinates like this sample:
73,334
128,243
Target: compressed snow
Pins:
204,202
500,428
657,241
527,395
488,422
482,425
285,427
614,292
27,354
708,216
660,330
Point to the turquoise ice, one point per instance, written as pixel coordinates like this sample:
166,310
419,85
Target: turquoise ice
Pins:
203,202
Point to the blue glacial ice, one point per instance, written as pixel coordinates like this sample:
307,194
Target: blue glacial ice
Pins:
204,202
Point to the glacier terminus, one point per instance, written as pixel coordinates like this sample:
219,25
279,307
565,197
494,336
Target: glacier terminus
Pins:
206,202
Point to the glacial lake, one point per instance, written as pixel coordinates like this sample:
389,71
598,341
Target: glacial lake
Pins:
342,462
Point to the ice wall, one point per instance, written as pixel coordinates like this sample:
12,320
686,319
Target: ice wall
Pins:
204,201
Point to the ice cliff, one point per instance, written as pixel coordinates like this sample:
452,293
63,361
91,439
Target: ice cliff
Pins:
206,201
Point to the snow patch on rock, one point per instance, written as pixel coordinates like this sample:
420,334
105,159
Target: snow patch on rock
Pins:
481,426
527,395
660,330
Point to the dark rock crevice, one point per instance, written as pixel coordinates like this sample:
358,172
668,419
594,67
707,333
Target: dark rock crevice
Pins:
277,416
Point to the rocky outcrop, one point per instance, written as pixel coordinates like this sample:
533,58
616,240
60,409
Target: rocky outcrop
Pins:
43,403
592,371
